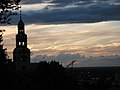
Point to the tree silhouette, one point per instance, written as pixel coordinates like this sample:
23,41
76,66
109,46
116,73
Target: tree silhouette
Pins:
6,8
3,53
52,76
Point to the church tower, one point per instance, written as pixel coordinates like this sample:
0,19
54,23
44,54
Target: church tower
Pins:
21,54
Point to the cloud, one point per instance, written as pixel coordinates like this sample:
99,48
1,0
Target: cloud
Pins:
68,11
82,61
101,50
31,1
71,11
93,39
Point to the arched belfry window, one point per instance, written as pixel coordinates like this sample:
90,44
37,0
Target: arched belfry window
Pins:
19,43
23,43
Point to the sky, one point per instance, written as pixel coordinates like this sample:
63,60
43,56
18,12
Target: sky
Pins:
55,27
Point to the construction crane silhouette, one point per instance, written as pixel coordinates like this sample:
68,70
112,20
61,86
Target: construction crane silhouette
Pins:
71,64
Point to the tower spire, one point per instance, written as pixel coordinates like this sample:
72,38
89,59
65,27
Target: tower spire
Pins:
20,15
20,24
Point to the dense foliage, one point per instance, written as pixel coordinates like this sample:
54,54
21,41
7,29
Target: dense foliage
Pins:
52,76
6,10
3,54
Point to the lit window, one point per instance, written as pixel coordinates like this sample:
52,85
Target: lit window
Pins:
21,30
19,43
23,43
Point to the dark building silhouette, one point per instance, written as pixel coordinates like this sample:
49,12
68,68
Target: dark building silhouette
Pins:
21,54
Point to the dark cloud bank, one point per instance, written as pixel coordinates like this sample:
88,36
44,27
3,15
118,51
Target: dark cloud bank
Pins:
82,61
73,11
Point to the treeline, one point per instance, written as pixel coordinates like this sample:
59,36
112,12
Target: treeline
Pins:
47,76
